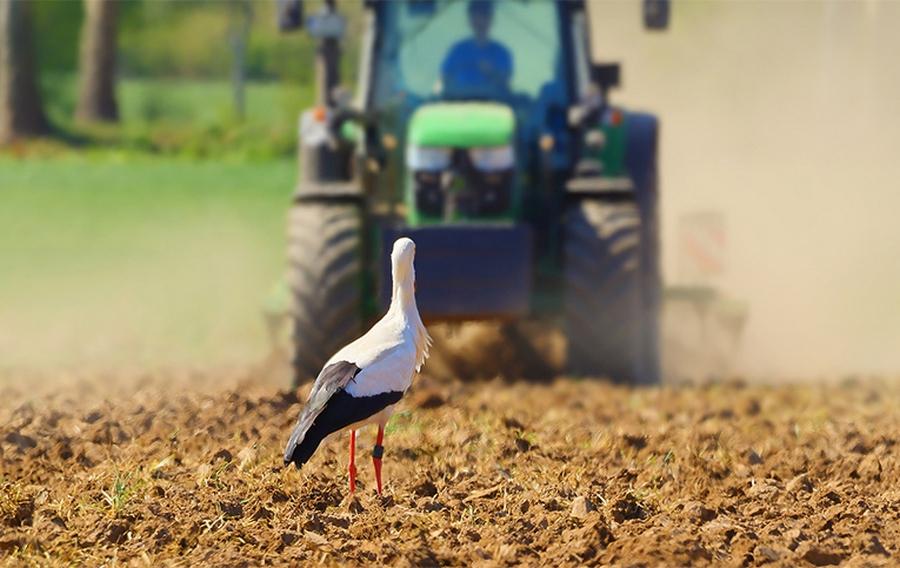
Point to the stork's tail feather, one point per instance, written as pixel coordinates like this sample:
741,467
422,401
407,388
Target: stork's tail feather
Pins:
298,453
341,411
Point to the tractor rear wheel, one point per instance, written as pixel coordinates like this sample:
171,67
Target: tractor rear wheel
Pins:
603,292
325,256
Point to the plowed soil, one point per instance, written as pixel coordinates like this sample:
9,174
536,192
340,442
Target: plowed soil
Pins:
570,473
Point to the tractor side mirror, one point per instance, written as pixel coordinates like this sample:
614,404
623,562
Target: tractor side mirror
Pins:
656,14
290,15
606,75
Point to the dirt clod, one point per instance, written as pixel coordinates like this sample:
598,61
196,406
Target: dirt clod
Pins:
232,510
818,556
425,489
523,445
871,544
766,553
629,508
433,400
512,423
92,416
800,483
638,442
20,512
117,532
222,455
581,507
20,441
699,513
288,538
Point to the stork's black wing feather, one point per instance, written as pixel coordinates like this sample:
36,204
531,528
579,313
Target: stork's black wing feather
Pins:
333,378
341,410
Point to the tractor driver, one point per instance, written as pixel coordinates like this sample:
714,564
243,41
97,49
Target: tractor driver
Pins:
477,65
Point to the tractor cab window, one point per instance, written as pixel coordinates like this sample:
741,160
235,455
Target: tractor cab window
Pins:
506,50
477,65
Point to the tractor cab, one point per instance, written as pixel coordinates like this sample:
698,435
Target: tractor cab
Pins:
469,88
482,130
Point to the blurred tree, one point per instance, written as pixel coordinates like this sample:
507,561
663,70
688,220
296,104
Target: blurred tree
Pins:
97,94
55,27
238,31
21,108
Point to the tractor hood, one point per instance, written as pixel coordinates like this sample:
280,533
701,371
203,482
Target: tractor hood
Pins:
462,125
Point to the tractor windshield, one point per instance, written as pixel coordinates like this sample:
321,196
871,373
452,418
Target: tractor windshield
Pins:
469,50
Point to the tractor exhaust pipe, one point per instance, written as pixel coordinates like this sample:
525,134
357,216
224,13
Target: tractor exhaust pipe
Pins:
328,61
328,27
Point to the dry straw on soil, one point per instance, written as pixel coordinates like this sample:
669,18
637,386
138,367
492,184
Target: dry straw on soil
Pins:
570,473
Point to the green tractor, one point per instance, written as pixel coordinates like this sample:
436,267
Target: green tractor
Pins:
482,130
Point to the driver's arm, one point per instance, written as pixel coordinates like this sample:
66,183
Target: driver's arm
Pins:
506,66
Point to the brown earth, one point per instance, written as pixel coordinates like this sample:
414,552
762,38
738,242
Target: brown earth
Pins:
571,473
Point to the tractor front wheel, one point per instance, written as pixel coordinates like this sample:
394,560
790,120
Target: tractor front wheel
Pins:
603,300
325,256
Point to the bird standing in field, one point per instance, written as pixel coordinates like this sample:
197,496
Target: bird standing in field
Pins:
363,381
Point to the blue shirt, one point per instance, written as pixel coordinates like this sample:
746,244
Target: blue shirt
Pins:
473,68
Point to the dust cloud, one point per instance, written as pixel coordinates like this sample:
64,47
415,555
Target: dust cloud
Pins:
782,115
176,290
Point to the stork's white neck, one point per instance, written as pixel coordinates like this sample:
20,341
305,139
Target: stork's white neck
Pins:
403,306
403,296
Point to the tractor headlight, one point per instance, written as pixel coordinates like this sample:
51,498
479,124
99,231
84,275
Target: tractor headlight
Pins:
426,158
493,159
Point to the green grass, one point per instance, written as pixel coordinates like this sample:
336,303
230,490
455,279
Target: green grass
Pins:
197,102
109,257
153,241
123,490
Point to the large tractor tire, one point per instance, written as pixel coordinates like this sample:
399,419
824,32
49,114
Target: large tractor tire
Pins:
325,256
603,292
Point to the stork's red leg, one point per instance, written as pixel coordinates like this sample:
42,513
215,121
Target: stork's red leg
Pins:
377,452
352,467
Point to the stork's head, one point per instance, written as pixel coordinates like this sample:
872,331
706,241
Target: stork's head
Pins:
404,293
402,261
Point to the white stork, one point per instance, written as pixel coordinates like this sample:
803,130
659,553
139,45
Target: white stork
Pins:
363,381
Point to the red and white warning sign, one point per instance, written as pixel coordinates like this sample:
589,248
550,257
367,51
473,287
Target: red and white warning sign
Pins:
701,248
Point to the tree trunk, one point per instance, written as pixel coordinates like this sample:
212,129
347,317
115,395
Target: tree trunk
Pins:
238,34
21,109
97,96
